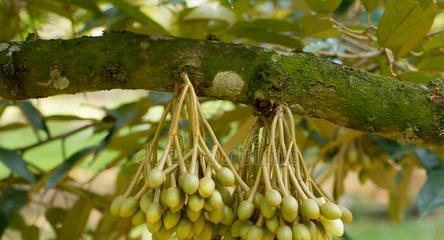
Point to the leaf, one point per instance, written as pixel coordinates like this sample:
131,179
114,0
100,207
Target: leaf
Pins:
14,161
428,159
370,5
88,5
395,150
434,42
416,77
34,117
30,233
402,19
8,15
431,195
57,7
66,166
75,220
11,200
435,64
208,12
55,217
111,228
315,26
324,6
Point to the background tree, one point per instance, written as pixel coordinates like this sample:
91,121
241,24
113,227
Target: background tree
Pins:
43,150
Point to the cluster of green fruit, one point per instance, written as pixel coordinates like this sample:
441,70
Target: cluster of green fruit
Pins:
189,188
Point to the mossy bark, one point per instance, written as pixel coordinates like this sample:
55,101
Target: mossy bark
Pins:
256,76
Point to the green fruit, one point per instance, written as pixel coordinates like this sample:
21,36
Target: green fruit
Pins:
206,187
170,219
215,200
155,178
138,218
173,197
192,215
268,235
284,233
154,213
217,215
245,210
255,233
267,210
146,200
289,208
184,229
333,227
129,207
227,236
244,228
301,232
229,216
179,207
235,228
227,197
195,203
189,183
258,198
116,204
330,211
347,216
206,233
199,224
225,177
154,227
162,233
273,197
272,224
313,229
310,209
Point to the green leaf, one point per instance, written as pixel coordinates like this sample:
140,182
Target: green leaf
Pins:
428,159
416,77
434,42
75,220
90,5
435,64
370,5
11,17
324,6
431,195
402,19
30,233
55,217
11,201
66,166
57,7
34,117
14,161
315,26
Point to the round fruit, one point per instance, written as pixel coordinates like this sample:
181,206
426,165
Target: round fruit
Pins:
164,234
333,227
116,204
244,228
129,207
229,216
258,198
198,225
206,233
273,197
245,210
310,209
217,215
331,211
170,219
267,210
146,200
184,229
347,216
255,233
226,177
154,213
195,203
154,227
289,208
192,215
155,178
301,232
284,233
206,187
189,183
215,200
138,218
272,224
235,228
173,197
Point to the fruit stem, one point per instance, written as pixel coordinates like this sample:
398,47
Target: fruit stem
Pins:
255,186
134,181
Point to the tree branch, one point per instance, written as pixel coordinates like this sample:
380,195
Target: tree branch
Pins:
252,75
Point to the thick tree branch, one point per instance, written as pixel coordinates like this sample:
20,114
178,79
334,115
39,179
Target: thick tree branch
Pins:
252,75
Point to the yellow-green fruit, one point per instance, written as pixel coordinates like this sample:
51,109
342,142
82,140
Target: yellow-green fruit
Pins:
173,197
245,210
273,197
227,236
146,200
164,233
226,177
154,227
138,218
206,187
199,224
255,233
206,233
129,207
216,215
184,229
235,228
179,207
301,232
227,197
258,198
195,203
347,216
163,194
284,233
154,213
215,200
189,183
268,235
116,204
289,208
229,216
333,227
192,215
155,178
330,211
244,228
313,229
310,209
267,210
170,219
272,224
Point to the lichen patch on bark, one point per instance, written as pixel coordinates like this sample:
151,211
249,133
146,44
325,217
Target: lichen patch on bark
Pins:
227,84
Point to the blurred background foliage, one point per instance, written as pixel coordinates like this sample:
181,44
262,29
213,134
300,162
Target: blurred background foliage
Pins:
64,157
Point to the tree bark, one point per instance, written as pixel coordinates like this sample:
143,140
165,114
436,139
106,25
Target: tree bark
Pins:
251,75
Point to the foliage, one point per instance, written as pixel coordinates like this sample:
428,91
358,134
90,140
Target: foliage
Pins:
401,38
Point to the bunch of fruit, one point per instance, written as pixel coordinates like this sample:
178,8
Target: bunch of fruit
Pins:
189,188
